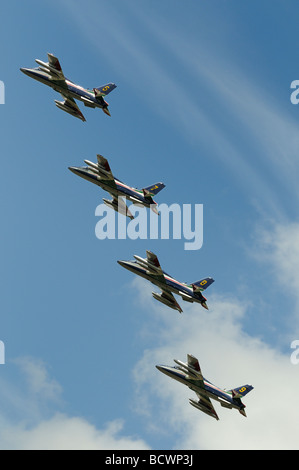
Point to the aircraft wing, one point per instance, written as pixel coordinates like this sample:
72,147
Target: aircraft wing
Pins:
105,167
204,403
55,65
119,205
154,267
166,296
105,172
153,259
194,364
69,105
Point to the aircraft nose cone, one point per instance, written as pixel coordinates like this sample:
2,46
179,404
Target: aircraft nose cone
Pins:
165,370
25,71
122,263
76,170
125,264
72,168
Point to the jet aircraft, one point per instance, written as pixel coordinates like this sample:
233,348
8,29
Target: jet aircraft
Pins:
151,270
190,375
50,73
100,174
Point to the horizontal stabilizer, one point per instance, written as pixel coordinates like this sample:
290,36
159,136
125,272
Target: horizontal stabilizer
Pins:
88,103
225,404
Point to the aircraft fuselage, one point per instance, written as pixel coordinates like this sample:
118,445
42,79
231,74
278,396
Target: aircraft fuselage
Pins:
211,390
121,189
67,88
172,284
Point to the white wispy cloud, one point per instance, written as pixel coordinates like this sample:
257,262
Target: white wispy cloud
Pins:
38,380
277,246
29,422
63,432
262,141
262,153
246,128
229,357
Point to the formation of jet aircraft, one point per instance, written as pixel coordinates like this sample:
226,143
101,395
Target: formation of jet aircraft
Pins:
190,374
100,174
50,73
151,270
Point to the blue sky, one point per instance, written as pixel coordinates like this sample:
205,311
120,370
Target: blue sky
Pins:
203,104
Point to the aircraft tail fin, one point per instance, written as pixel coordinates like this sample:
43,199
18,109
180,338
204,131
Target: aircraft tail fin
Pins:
104,90
241,391
153,189
238,393
202,284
